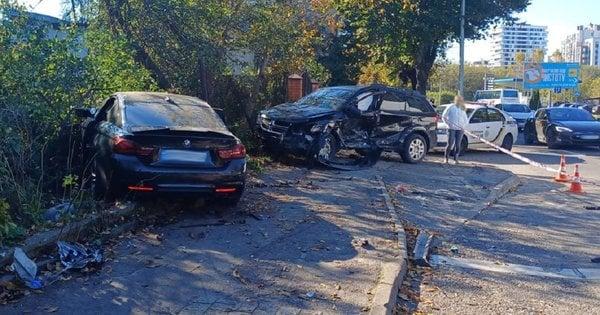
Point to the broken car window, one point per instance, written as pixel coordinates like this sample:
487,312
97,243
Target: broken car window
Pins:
392,103
327,97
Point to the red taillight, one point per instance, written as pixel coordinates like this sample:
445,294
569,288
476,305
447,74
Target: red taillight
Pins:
437,119
236,152
225,190
143,188
128,147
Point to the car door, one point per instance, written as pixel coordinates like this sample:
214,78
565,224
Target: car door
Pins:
494,125
477,125
541,121
393,115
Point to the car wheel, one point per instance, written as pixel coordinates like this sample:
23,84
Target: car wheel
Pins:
528,137
102,188
507,143
551,140
328,148
415,149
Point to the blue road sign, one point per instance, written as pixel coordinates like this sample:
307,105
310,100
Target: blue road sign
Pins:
557,90
551,75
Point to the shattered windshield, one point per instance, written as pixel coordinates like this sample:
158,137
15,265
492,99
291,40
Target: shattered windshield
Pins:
332,98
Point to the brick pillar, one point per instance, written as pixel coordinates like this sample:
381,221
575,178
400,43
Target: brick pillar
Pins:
294,88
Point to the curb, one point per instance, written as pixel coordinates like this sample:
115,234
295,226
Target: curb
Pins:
385,293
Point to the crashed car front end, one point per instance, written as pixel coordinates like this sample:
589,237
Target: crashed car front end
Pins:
293,137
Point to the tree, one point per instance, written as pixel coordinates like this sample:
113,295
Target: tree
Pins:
535,102
557,56
414,33
537,56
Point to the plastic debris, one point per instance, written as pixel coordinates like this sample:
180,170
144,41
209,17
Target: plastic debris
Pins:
596,260
311,294
26,269
55,213
77,256
454,249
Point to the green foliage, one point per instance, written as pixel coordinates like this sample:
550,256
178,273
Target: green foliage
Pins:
8,229
442,97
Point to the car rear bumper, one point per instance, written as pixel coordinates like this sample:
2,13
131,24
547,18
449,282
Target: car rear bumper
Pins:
130,174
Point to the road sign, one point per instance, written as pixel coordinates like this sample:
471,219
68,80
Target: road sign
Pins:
551,75
557,90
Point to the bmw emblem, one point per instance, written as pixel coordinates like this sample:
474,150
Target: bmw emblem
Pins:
187,143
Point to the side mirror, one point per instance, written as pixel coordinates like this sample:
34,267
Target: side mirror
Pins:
84,112
221,114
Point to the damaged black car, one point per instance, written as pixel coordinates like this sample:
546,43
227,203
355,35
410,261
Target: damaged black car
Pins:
348,127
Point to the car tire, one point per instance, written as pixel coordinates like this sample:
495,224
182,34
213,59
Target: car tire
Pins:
528,137
507,142
102,187
414,149
551,140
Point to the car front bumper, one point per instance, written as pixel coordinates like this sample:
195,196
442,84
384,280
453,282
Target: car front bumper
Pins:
129,173
582,139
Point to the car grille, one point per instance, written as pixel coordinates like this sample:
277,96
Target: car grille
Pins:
274,126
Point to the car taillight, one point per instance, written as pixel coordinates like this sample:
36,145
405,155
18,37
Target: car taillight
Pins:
437,119
128,147
236,152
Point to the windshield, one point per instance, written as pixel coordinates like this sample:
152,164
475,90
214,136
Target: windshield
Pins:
570,114
166,115
327,97
515,108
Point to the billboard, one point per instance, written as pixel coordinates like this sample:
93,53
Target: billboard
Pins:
550,75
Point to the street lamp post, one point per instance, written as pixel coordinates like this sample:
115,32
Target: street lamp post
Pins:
461,79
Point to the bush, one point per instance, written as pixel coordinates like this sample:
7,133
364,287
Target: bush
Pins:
440,98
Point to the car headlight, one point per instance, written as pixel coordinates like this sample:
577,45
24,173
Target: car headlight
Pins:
263,115
563,129
316,128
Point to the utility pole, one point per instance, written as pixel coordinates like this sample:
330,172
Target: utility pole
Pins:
461,79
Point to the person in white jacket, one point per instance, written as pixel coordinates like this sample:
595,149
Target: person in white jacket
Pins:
455,117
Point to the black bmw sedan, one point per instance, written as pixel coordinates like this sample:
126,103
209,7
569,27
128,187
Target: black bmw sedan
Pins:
557,126
162,143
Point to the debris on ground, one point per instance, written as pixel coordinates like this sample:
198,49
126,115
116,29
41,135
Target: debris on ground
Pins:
55,213
26,269
454,249
311,294
402,189
77,256
236,274
596,260
360,242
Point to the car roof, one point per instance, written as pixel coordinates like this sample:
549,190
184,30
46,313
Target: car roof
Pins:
133,98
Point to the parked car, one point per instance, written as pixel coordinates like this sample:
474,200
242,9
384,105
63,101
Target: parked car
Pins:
162,143
520,112
364,119
558,126
487,122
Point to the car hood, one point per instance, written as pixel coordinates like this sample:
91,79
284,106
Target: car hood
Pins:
519,115
581,126
294,112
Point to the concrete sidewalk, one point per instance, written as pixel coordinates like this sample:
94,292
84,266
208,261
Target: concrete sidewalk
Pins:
305,241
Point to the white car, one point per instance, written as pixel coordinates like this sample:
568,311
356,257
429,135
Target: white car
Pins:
520,112
489,123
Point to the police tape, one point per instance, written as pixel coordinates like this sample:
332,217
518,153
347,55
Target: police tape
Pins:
518,156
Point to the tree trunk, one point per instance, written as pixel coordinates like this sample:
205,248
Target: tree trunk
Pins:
424,61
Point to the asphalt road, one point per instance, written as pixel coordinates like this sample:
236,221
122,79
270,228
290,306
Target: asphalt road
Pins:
538,227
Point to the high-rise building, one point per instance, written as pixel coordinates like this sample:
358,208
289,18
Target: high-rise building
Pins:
583,46
510,39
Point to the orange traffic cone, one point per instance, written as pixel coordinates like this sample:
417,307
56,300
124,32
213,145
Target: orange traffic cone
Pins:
562,176
576,186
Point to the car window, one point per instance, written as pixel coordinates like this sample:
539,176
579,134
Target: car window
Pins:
165,114
479,115
416,105
365,101
515,108
392,103
327,97
494,115
570,114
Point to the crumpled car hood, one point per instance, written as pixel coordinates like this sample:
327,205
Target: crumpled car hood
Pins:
294,112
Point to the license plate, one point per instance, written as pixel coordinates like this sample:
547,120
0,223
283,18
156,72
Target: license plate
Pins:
590,137
183,157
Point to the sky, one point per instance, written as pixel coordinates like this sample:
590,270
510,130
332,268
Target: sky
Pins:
561,16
